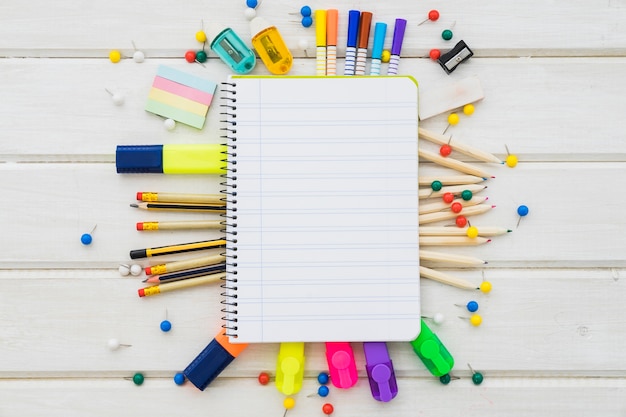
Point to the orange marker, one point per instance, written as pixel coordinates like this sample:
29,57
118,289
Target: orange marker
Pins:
332,20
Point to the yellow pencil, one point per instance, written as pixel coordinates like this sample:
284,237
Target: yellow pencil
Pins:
182,225
212,199
461,260
454,189
446,279
457,146
184,247
458,231
453,164
447,215
450,179
177,285
441,205
180,207
452,241
185,264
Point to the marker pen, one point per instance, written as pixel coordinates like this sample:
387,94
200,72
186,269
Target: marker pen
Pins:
290,367
353,34
364,37
432,352
380,30
171,159
380,372
332,20
396,46
320,42
212,360
341,364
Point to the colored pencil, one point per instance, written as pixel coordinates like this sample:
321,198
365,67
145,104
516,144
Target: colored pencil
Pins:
181,225
447,215
453,164
454,189
461,260
180,207
446,278
458,146
177,285
173,249
450,179
152,197
442,205
452,241
185,264
457,231
186,274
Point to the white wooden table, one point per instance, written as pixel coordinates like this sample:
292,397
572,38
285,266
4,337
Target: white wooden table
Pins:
552,340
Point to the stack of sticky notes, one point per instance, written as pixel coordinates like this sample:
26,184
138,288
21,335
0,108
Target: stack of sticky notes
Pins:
182,97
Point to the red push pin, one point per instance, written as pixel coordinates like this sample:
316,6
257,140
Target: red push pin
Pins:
434,54
448,198
433,15
456,207
328,409
461,221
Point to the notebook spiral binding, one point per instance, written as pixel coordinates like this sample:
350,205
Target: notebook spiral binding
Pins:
229,183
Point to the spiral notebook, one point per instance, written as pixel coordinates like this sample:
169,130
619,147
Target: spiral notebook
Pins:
322,211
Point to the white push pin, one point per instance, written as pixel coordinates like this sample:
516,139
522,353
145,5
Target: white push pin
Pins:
304,45
135,270
114,344
118,99
138,56
124,270
437,318
169,124
249,13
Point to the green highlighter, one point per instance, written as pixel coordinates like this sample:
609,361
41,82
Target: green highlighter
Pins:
432,352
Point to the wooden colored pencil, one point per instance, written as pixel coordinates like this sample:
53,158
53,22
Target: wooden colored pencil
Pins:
447,215
181,225
441,205
457,231
180,207
452,163
458,146
454,189
185,264
446,278
460,260
177,285
450,179
152,197
452,241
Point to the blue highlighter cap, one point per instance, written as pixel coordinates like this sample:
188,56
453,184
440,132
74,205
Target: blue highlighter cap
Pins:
380,30
138,159
353,27
208,365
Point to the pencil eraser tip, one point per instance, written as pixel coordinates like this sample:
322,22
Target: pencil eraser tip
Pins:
140,226
141,292
148,271
140,195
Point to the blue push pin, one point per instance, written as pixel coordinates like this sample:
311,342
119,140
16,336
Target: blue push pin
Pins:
471,306
522,211
307,21
86,238
166,326
179,378
322,391
323,378
252,3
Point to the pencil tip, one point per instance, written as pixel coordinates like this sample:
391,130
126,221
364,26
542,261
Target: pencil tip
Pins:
145,280
485,262
486,198
134,205
489,240
484,179
492,176
509,230
493,206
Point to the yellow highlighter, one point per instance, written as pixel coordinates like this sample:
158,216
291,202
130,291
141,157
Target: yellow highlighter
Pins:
171,159
290,367
320,42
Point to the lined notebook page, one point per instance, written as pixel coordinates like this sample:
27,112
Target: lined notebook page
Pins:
327,209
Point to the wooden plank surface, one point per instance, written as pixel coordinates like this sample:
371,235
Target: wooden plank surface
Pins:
552,334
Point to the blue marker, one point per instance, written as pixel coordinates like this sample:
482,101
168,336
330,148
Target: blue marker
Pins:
380,31
353,36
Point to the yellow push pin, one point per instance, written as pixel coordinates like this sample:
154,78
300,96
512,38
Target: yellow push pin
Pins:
485,286
468,109
453,119
288,403
385,56
511,160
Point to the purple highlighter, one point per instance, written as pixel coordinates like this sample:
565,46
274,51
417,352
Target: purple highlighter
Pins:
380,372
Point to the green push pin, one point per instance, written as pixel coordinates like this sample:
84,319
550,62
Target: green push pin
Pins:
138,378
436,185
446,35
466,195
445,379
477,377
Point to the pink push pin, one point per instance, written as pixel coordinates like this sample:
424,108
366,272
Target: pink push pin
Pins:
341,364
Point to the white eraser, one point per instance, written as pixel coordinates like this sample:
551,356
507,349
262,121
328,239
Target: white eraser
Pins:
443,99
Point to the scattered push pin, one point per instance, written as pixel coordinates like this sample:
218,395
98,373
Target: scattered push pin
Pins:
433,16
135,270
201,35
511,160
307,20
115,56
179,378
522,211
201,56
437,318
445,150
117,98
446,35
304,45
138,378
472,232
138,56
252,4
472,306
114,344
447,378
475,319
448,198
461,221
86,238
328,409
477,377
466,195
323,378
453,119
468,109
124,270
385,56
288,403
323,391
169,124
485,286
434,54
436,185
249,13
192,56
264,378
456,207
165,325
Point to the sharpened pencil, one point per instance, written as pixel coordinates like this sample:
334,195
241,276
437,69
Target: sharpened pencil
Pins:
450,179
180,207
446,278
173,249
458,146
177,285
185,264
447,215
152,197
186,274
452,241
454,189
442,205
182,225
458,231
452,163
460,260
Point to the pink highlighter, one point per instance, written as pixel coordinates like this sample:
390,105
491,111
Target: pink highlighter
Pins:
341,364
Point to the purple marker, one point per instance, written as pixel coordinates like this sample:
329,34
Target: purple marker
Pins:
396,46
380,371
